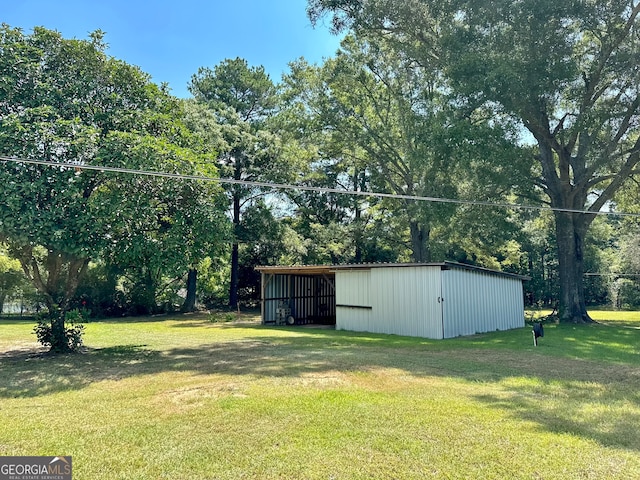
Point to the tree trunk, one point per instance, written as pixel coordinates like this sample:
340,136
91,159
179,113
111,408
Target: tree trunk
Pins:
63,275
59,341
570,231
189,304
357,233
76,269
235,270
419,242
359,184
235,265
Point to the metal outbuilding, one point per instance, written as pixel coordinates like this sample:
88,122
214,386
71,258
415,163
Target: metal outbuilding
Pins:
298,294
431,300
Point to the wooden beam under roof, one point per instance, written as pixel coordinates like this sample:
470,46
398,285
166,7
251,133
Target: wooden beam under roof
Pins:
297,269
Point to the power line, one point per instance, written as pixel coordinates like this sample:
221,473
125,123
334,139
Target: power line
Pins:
593,274
287,186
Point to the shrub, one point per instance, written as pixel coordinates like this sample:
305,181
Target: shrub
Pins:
221,317
52,332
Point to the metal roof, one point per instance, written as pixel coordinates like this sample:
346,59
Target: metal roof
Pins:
297,269
329,269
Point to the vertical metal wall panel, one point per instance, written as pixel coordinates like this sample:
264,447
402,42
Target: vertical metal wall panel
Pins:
353,300
354,319
353,287
477,302
405,301
275,290
390,312
431,292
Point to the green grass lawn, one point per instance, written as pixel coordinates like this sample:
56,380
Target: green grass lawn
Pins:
184,398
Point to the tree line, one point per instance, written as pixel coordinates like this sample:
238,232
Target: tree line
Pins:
487,104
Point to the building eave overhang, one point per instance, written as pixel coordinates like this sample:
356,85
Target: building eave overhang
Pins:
331,269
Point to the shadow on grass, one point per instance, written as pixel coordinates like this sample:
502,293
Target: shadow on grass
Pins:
134,320
576,372
600,417
598,342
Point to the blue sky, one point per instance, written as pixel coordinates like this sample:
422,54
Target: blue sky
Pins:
171,39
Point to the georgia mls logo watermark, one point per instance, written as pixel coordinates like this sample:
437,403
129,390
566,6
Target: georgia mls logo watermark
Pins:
35,468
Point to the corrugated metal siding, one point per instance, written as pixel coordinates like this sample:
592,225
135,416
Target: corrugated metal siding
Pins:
354,319
276,288
405,301
402,301
476,302
353,300
353,288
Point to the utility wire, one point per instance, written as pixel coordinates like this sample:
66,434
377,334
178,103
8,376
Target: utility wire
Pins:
287,186
592,274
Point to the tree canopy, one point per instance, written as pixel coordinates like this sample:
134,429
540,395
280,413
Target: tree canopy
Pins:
481,103
564,71
66,101
243,99
382,123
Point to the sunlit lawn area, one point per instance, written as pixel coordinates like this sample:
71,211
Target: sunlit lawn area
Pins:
184,398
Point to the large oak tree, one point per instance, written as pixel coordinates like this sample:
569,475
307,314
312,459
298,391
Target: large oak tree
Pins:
567,72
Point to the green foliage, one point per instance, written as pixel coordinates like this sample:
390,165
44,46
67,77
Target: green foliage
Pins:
99,294
221,317
51,331
242,99
540,260
67,101
381,123
233,84
628,293
564,71
12,279
213,274
64,100
164,226
625,271
626,286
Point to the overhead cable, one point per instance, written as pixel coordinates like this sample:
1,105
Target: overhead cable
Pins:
286,186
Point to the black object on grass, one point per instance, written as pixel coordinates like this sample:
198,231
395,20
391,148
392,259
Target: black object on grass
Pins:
538,331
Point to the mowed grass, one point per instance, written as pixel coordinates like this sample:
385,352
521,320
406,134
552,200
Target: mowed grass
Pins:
183,398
